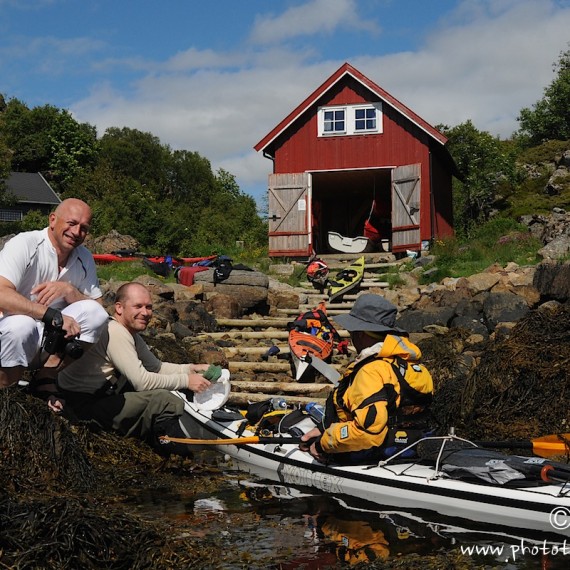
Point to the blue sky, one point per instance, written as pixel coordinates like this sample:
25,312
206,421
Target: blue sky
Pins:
216,76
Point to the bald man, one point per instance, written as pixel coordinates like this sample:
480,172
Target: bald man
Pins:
123,387
48,280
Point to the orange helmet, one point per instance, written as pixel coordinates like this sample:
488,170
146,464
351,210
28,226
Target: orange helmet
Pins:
317,270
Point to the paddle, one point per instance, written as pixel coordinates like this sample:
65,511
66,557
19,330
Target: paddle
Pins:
233,441
546,446
325,369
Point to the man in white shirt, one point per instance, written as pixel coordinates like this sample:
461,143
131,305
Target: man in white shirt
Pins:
122,386
48,280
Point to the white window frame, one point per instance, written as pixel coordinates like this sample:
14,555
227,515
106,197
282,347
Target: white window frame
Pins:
349,119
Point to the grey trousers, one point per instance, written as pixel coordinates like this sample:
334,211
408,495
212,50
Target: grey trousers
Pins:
133,414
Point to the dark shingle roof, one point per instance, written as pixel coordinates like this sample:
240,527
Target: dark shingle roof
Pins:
31,188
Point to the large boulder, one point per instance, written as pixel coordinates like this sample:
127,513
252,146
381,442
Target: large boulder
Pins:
503,308
417,321
552,280
248,288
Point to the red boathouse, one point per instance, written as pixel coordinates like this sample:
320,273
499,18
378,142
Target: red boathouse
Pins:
351,160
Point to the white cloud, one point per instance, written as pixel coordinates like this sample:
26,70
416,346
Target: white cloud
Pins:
485,62
314,17
485,66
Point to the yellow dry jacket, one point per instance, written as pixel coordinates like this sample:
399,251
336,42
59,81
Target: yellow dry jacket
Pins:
356,541
358,409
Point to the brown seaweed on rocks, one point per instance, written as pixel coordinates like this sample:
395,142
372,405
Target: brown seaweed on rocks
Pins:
520,387
64,492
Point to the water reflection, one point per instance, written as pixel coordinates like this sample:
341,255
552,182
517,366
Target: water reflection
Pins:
356,532
341,534
299,528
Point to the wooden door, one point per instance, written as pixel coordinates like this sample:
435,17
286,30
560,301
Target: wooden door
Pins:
406,187
290,214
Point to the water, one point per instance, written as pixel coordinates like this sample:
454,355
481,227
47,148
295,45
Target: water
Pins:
299,528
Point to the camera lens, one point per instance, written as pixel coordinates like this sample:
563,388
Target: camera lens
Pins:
74,349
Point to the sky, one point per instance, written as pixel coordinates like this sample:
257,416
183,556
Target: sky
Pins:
215,76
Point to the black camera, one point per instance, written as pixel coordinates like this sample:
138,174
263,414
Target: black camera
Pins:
56,343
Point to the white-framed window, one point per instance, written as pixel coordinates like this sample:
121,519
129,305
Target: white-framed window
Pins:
11,215
358,119
334,121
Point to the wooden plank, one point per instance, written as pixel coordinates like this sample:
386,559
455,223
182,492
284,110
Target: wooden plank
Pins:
277,335
255,350
340,310
287,387
234,366
264,323
242,334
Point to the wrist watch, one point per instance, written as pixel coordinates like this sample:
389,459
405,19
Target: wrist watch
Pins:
53,318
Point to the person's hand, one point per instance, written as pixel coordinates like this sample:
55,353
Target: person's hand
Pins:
307,444
56,404
49,291
306,439
197,368
197,383
71,327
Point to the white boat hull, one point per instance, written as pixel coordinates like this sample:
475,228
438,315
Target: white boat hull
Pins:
359,244
403,485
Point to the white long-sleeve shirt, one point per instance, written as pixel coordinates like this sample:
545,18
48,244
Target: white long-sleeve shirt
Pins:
119,353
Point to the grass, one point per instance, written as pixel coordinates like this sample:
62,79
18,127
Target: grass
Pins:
499,241
127,271
502,240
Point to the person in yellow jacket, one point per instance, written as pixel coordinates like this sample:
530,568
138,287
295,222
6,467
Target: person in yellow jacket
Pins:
385,380
356,541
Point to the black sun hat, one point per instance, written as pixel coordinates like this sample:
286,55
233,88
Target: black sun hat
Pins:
370,313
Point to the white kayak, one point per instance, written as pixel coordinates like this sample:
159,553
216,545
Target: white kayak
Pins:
535,506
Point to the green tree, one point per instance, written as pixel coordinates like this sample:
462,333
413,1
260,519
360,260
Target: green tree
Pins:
137,155
488,168
34,220
171,202
74,147
235,213
47,140
26,134
549,118
191,179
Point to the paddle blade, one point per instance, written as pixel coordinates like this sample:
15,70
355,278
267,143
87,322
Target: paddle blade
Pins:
325,369
546,446
300,367
549,445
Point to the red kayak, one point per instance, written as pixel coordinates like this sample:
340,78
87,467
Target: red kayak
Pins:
106,258
311,334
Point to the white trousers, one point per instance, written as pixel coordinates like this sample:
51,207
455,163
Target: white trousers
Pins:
21,336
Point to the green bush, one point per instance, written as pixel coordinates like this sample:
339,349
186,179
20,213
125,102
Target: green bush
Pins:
545,152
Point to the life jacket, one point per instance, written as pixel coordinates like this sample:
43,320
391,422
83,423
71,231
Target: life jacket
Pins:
316,323
408,420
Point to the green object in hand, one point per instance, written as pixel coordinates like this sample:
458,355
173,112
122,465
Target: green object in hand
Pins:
213,373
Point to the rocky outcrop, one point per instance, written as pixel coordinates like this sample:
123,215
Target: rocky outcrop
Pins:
552,230
552,280
111,242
